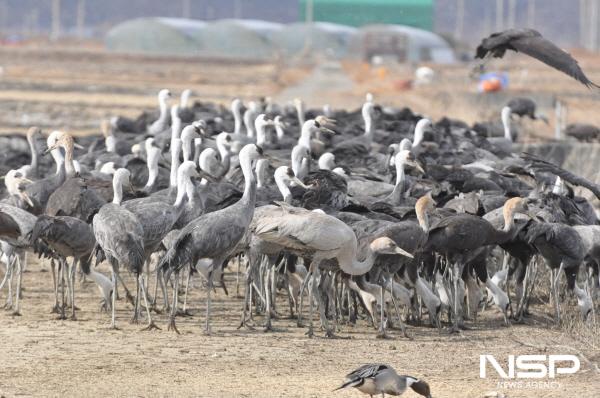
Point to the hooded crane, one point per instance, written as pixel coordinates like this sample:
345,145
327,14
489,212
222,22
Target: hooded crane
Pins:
19,224
214,235
532,43
120,237
64,237
375,378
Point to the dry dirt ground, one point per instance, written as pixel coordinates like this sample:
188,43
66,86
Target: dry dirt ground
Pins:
42,356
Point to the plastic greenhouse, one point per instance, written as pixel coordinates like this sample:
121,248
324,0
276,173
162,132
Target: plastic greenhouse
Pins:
316,38
406,43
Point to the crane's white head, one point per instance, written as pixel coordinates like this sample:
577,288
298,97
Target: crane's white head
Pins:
107,128
33,132
16,183
327,161
108,168
405,144
224,140
420,131
406,158
149,143
164,95
136,149
190,132
187,170
236,106
251,152
60,139
369,97
185,97
286,174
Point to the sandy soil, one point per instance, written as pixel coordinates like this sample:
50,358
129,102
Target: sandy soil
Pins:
42,356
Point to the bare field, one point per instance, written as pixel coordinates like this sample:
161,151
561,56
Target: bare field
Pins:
42,356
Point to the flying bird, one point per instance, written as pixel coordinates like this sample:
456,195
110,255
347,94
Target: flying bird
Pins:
532,43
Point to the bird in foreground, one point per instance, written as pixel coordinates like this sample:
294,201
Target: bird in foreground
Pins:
532,43
382,379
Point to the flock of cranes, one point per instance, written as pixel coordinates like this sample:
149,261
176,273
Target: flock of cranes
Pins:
399,212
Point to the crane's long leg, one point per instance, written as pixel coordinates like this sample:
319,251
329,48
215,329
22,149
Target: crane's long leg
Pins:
267,286
55,287
8,265
8,276
381,333
555,292
307,280
62,265
313,267
113,324
10,272
174,305
160,276
208,296
247,294
128,295
136,307
151,324
72,288
456,274
19,277
184,310
156,282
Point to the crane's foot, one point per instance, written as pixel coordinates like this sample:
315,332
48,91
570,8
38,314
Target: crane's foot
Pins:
55,309
381,334
268,327
157,310
73,318
61,317
104,306
330,334
130,299
453,329
113,327
245,324
151,326
134,320
310,333
16,313
172,326
207,330
184,313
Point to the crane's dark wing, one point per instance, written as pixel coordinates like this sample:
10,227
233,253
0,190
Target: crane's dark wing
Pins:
544,50
544,166
9,228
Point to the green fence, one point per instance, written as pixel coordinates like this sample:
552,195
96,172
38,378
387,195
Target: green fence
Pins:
417,13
